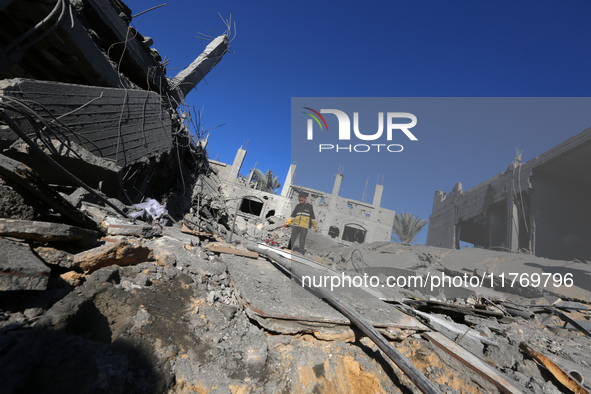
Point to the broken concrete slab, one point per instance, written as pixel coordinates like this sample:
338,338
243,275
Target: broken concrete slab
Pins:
31,184
52,256
13,205
229,249
20,269
143,132
270,294
473,362
48,232
101,173
126,252
514,273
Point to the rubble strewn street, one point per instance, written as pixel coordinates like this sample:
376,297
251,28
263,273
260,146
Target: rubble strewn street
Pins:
127,267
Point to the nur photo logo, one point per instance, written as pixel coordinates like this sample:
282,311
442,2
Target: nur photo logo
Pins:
396,123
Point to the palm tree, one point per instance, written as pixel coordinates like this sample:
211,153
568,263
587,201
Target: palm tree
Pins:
265,182
406,227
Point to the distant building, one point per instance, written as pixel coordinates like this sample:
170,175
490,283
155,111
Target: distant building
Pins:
541,207
346,220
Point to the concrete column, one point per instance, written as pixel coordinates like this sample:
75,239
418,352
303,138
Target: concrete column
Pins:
189,77
337,186
377,195
335,191
512,240
288,180
238,160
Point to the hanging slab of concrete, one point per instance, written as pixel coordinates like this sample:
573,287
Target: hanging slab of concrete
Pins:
122,125
497,264
93,170
20,269
281,305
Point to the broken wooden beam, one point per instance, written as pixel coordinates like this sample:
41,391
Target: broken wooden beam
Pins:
554,369
122,253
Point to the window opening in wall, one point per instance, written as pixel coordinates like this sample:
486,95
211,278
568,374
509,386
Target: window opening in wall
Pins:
333,231
354,233
251,206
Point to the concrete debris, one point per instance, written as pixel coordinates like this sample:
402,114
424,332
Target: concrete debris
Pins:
472,362
73,278
14,206
115,226
227,249
32,187
173,301
47,232
202,234
20,269
55,257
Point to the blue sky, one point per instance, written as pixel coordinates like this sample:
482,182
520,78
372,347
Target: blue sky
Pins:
384,49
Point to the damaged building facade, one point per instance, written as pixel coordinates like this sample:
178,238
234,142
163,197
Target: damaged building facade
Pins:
540,207
344,220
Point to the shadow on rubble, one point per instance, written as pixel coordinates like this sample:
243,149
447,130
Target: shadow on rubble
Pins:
47,361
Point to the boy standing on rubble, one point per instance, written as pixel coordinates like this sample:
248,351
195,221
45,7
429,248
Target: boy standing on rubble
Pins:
303,218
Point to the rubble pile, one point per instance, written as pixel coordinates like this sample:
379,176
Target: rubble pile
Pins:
124,266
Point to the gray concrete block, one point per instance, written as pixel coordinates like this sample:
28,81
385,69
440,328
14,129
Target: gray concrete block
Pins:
47,232
20,269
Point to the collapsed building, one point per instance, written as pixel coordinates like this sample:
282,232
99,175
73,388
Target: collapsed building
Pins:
539,207
103,290
344,220
83,80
